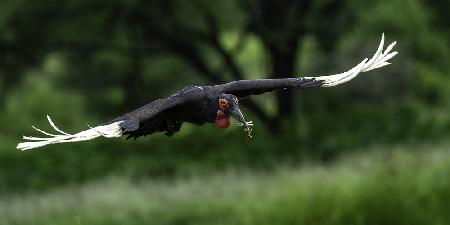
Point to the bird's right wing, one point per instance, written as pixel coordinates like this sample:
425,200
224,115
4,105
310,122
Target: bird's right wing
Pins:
157,116
142,121
244,88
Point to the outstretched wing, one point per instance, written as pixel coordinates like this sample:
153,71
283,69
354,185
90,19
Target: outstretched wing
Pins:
243,88
156,116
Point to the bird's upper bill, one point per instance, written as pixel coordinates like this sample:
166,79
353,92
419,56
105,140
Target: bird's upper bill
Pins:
237,114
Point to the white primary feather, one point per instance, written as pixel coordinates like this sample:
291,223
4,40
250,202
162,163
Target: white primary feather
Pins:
378,60
109,131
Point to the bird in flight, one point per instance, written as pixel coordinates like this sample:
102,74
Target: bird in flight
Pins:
202,104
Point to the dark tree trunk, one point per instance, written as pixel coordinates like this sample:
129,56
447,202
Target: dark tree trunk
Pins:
283,65
133,82
280,26
283,60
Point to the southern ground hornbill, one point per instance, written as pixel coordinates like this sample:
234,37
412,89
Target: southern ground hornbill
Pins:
202,104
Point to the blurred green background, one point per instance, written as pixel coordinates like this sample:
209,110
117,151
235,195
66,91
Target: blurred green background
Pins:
373,151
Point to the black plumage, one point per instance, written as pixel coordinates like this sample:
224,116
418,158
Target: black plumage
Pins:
198,105
203,104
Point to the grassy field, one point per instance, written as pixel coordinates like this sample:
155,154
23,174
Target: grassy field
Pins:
390,186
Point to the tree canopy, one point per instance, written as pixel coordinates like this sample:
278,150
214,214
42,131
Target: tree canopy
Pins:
91,61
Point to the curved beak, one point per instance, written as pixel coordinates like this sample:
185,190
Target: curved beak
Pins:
237,114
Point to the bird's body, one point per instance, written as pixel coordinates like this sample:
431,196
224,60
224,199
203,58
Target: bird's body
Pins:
203,104
198,105
192,104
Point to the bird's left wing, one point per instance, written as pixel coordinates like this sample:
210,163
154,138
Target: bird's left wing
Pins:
243,88
126,124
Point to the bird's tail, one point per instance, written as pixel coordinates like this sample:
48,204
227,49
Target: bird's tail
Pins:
109,130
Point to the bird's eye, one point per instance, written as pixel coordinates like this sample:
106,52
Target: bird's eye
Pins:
223,103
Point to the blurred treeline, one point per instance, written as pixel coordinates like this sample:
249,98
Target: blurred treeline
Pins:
86,62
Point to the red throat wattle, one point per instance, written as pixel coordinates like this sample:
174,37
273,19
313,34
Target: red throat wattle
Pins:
222,121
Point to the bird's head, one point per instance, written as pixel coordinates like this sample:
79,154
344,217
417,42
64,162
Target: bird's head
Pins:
229,107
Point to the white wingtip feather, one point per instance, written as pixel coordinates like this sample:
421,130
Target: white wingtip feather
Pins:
54,127
109,131
378,60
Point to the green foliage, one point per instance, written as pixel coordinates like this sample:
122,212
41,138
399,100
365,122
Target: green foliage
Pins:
85,62
387,186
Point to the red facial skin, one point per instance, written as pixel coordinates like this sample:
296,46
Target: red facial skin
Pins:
222,121
223,103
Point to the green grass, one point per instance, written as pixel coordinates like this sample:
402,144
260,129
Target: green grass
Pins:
390,186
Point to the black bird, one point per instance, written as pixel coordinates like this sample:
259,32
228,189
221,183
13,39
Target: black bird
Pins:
203,104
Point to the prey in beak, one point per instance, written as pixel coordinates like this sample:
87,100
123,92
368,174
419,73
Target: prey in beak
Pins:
230,106
236,113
